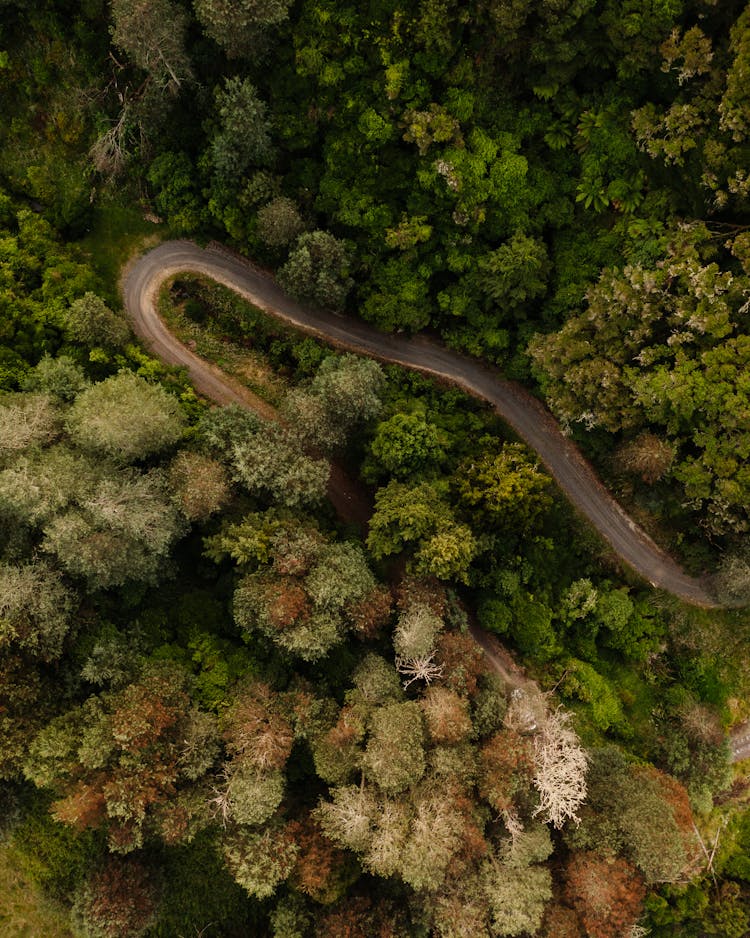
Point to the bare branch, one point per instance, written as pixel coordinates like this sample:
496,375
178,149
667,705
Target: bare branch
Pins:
561,764
419,669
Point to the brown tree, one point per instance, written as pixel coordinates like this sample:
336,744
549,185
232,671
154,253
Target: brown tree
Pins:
607,894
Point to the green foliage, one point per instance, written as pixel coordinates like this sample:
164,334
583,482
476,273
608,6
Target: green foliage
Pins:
35,609
318,269
421,519
506,490
90,322
343,395
243,139
238,27
52,854
583,682
172,176
638,811
60,377
514,273
480,170
405,445
271,463
125,418
673,358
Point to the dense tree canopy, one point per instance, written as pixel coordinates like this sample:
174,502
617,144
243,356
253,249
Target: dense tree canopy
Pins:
245,719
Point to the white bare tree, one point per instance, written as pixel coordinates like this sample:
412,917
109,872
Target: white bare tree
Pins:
419,669
560,769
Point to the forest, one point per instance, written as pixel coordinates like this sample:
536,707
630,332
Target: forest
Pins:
229,704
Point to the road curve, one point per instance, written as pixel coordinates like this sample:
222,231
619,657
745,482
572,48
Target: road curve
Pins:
528,417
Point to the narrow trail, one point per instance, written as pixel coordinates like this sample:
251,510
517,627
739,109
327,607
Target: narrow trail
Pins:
525,414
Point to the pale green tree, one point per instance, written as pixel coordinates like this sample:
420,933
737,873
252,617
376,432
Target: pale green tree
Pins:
35,609
91,322
271,463
394,757
125,418
38,485
343,395
27,420
122,530
61,377
259,860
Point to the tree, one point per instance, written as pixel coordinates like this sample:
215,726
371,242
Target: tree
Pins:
238,26
508,489
560,770
648,456
173,177
254,729
638,813
416,632
120,899
516,894
608,894
406,445
260,861
343,395
279,222
318,269
152,34
122,530
674,364
394,755
419,517
244,136
60,377
505,769
309,597
249,796
734,109
126,418
269,462
37,486
446,715
199,484
91,322
514,273
35,609
26,420
117,761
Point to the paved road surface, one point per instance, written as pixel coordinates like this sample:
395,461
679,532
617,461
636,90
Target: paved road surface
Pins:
528,417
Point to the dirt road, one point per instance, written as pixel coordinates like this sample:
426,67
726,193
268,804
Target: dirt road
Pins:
528,417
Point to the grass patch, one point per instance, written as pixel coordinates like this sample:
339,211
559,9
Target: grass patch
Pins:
25,912
241,339
118,232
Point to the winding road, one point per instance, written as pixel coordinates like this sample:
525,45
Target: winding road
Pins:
525,414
